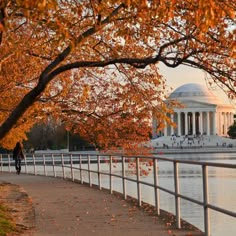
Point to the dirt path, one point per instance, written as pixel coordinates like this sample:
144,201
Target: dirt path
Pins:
66,208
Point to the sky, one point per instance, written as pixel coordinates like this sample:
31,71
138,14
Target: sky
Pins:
176,77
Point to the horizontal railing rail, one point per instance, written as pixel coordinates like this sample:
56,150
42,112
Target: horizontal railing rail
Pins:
91,165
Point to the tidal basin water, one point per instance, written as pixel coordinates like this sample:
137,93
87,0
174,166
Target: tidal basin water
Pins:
222,190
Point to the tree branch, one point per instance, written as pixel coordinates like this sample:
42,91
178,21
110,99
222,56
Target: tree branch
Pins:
46,77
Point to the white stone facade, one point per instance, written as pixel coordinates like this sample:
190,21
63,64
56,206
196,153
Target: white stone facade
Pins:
203,113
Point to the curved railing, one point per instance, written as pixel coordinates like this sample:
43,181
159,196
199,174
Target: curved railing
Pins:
91,168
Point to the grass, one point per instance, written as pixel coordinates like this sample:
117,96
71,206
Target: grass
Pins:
7,224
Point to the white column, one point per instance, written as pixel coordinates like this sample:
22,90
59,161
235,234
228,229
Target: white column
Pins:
172,128
220,123
194,122
179,123
228,122
186,122
208,122
165,129
214,123
230,119
200,122
224,123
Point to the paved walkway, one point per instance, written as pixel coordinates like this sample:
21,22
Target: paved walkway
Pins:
66,208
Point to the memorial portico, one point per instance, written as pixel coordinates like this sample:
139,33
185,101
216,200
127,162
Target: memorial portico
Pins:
202,113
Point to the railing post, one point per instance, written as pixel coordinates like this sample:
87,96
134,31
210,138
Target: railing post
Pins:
23,161
81,174
1,162
111,179
71,167
34,164
44,165
123,177
99,174
89,172
9,162
156,183
206,200
63,166
177,199
53,166
138,182
26,167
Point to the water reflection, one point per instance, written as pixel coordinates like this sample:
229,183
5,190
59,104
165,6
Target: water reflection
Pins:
222,189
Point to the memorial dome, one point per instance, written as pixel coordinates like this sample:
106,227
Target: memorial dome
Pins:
194,92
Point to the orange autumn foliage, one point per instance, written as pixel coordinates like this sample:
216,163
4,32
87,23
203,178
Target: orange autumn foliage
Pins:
94,64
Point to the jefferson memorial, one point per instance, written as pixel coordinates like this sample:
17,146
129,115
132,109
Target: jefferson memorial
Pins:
202,113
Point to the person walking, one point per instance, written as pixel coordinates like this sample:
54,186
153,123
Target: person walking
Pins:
18,156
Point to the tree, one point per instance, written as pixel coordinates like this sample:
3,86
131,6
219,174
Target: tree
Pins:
232,131
46,135
94,64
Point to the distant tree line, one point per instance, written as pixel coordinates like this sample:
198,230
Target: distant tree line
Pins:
49,135
53,135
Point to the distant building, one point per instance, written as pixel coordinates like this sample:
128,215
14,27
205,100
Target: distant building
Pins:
203,113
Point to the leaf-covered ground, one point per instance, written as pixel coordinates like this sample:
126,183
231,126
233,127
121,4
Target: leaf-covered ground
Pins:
16,211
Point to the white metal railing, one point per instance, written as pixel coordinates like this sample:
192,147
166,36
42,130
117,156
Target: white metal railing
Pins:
89,167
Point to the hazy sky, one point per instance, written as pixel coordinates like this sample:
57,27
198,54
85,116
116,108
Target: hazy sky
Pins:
184,74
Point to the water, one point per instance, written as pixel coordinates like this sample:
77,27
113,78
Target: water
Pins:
222,190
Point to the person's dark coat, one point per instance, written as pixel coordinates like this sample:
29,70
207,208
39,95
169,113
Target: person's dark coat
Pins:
18,152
